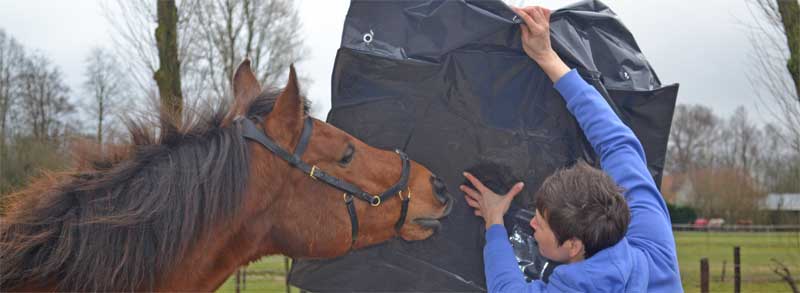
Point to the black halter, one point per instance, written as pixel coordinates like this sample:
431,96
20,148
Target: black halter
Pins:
250,131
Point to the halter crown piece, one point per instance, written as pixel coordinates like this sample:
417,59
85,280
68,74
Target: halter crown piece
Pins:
251,131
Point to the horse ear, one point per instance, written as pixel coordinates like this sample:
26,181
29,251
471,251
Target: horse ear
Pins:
245,89
289,107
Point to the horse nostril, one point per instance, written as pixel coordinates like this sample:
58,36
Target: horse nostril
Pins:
440,189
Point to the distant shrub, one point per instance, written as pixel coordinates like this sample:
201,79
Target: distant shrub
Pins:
681,214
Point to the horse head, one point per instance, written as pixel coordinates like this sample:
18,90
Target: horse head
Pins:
330,192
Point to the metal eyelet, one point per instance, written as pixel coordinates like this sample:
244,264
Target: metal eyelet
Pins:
376,201
368,37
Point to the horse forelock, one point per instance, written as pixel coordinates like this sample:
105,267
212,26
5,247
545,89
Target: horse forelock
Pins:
125,221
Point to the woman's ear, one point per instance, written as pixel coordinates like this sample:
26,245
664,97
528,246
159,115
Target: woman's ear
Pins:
576,249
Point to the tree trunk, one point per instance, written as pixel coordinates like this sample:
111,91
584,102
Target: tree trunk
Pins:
100,124
790,16
168,75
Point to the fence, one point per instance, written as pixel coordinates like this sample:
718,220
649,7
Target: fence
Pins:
758,246
266,275
763,251
737,228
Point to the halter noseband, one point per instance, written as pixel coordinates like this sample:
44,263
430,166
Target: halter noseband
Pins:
251,131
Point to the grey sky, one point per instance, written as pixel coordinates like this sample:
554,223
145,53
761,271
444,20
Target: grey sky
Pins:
703,45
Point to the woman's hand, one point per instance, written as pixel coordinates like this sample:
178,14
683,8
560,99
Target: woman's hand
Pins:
488,205
536,41
535,32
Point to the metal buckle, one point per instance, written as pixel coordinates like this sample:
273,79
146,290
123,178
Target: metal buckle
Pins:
313,169
400,195
376,201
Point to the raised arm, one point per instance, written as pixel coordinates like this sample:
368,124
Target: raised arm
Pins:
621,153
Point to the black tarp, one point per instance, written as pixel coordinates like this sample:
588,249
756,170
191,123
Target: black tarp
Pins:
448,82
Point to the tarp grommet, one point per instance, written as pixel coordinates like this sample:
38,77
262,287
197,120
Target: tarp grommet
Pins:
368,37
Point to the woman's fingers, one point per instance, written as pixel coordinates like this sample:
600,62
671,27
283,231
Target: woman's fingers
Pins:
474,194
475,182
526,33
538,16
472,202
515,190
526,18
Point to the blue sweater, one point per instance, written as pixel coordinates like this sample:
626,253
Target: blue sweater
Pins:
645,259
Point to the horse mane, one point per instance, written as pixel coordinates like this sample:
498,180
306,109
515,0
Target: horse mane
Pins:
120,222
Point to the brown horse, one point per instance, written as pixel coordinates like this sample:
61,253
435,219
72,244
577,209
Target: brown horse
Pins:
182,212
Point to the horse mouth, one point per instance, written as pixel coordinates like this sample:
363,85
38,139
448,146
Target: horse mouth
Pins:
428,223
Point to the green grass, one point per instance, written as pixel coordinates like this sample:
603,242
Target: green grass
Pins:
756,251
257,278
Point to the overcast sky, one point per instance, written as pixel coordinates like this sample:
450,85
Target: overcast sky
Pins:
703,45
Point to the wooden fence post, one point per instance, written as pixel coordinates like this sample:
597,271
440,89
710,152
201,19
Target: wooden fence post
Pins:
286,274
238,273
724,264
704,275
737,271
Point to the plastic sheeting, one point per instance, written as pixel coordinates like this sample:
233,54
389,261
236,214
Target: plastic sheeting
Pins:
448,82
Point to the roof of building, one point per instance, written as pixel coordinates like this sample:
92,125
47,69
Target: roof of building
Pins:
782,201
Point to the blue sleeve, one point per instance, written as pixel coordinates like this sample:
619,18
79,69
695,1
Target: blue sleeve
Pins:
502,272
622,157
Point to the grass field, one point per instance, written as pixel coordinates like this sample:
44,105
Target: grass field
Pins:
756,251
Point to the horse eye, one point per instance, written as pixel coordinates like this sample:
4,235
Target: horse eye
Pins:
348,155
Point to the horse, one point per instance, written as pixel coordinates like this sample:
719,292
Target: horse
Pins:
182,210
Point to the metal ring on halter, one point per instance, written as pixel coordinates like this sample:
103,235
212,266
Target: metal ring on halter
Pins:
347,197
313,169
376,201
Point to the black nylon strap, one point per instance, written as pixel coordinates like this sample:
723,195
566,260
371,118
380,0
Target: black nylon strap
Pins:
250,131
305,136
351,209
403,213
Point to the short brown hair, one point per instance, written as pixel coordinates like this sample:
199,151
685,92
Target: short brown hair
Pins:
585,203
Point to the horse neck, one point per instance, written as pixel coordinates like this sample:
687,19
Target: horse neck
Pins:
207,266
228,246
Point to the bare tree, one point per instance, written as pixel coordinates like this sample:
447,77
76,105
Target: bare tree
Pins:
35,115
43,98
168,75
105,85
772,163
740,141
133,23
266,31
789,11
692,136
776,41
782,270
727,192
11,55
213,37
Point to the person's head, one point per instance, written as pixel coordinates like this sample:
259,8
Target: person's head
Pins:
579,211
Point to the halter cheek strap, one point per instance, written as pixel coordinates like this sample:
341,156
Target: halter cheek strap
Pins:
252,132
